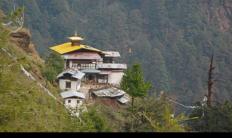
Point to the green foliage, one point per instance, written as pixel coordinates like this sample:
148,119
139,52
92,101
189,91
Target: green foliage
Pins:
3,32
166,123
50,74
53,66
172,39
156,115
158,65
3,36
93,121
118,119
14,14
24,106
133,82
216,119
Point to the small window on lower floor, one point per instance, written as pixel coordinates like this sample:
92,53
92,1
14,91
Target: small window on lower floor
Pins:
68,85
69,101
78,101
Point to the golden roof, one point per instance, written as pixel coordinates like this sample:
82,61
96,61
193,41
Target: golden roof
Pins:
67,47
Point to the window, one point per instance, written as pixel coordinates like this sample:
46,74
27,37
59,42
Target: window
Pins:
75,65
88,66
68,85
69,101
78,101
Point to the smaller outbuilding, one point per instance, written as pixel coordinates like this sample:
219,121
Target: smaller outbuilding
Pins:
72,99
113,93
70,79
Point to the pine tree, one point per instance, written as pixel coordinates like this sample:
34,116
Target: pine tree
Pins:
133,83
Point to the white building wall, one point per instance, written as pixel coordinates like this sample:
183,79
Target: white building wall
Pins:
102,81
75,85
115,78
62,84
70,64
75,102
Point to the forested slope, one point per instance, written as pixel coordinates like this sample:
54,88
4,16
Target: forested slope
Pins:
25,104
172,39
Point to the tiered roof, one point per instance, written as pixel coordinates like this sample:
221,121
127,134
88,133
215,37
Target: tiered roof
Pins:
72,46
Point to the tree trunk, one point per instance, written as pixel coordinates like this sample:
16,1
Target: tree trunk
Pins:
132,104
210,82
132,113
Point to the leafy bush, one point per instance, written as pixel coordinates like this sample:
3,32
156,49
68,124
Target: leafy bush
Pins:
54,65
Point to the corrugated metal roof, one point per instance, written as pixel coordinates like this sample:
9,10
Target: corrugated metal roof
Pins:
67,47
109,92
79,75
103,72
75,74
72,93
111,54
90,71
124,99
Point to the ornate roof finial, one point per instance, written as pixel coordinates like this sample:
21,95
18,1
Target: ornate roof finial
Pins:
75,40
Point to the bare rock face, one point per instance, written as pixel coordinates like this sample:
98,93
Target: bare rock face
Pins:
224,13
21,39
228,7
224,22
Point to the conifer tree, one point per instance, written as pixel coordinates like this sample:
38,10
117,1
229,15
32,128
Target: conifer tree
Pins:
133,83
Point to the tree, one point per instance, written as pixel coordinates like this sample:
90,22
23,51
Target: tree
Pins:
54,64
216,118
93,121
154,114
166,122
133,83
159,71
210,82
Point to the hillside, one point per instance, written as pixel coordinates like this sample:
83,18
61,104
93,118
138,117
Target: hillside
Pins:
173,39
29,103
24,105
